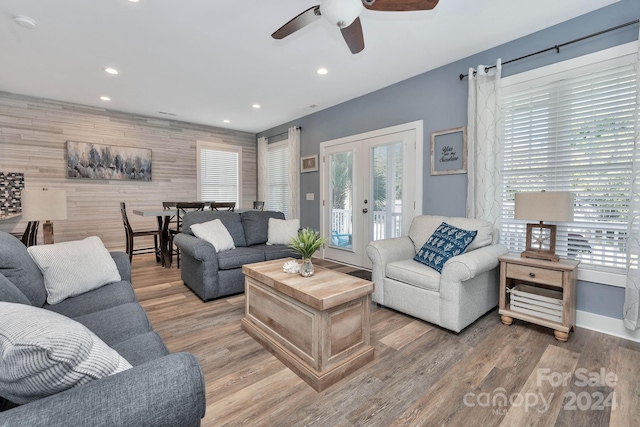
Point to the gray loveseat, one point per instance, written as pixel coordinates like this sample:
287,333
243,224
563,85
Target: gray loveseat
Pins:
213,275
161,389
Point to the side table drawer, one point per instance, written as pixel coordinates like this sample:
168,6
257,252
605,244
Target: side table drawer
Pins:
535,274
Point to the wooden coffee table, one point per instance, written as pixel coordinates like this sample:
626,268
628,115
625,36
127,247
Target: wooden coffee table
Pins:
317,326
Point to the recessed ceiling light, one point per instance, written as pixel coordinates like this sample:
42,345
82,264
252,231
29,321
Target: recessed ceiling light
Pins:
134,1
111,70
322,71
26,22
226,121
105,98
256,105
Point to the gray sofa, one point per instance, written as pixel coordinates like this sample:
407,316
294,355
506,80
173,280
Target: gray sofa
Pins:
161,389
213,275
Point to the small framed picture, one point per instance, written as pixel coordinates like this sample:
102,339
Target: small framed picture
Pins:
309,163
449,151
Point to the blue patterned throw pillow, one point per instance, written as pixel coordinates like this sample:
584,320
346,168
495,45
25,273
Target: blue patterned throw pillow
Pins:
446,242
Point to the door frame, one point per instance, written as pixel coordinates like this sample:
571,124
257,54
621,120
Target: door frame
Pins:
416,126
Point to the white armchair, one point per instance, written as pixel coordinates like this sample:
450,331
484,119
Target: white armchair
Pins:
467,288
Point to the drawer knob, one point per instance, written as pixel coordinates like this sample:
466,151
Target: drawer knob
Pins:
532,274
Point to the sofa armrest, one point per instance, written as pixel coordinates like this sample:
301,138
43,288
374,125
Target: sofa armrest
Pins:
168,391
123,264
470,264
195,247
381,253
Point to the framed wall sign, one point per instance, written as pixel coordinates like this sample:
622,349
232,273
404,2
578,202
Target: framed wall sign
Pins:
449,151
309,163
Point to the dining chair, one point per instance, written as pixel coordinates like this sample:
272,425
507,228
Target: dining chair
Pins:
172,224
226,206
30,235
258,205
181,209
131,234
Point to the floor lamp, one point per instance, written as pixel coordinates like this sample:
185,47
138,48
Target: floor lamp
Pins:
44,205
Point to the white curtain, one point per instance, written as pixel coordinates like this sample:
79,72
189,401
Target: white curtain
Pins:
483,144
263,179
632,295
294,173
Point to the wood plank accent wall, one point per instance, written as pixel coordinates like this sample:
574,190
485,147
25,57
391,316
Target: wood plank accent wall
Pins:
33,136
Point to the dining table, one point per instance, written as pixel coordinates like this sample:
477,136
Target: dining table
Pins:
164,218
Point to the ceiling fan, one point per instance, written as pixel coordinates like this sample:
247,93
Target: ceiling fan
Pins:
346,15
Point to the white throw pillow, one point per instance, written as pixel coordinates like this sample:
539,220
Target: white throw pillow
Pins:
73,268
215,233
43,353
281,231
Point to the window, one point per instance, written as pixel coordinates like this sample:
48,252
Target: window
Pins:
219,173
278,177
573,130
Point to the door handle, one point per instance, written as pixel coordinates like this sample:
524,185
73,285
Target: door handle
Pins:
365,210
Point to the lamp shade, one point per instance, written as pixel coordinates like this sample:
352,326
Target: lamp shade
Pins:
544,206
44,205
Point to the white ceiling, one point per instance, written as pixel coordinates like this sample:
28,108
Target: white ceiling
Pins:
209,60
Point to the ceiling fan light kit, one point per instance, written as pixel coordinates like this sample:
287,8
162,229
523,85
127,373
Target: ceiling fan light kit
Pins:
345,14
341,12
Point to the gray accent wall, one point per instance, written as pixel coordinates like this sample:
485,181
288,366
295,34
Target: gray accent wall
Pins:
439,99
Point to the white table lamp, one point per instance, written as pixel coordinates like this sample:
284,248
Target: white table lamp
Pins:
543,206
44,205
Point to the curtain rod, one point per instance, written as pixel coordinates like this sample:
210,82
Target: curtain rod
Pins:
558,46
282,133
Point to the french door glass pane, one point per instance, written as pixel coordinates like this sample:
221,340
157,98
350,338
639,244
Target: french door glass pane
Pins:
341,199
386,188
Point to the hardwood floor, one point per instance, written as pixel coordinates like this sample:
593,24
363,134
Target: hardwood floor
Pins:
422,375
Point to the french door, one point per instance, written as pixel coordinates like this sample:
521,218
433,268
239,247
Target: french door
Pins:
367,193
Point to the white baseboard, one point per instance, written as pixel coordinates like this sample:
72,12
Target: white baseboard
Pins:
606,325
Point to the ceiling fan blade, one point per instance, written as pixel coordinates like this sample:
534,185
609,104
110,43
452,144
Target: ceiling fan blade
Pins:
353,36
302,20
399,5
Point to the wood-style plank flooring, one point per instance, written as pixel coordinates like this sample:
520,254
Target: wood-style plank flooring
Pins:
422,375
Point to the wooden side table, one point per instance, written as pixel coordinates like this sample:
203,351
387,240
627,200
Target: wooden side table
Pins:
559,276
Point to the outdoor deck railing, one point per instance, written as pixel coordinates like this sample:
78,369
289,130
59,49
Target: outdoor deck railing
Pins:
341,223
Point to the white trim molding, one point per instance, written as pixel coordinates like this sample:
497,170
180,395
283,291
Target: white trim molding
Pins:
606,325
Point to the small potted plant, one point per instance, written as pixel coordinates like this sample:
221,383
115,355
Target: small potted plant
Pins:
306,244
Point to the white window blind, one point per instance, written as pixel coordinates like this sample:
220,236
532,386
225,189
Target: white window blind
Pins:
278,177
573,131
219,174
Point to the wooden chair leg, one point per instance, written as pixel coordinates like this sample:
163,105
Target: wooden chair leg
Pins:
157,248
130,247
170,250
